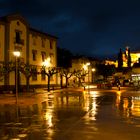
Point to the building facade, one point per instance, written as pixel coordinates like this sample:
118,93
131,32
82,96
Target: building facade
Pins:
135,56
35,48
86,68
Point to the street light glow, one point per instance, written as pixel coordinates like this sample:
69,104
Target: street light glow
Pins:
16,53
47,62
93,69
88,63
85,66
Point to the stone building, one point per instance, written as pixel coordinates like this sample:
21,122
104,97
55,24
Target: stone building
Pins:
35,48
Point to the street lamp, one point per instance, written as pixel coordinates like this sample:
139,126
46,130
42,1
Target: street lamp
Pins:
86,67
88,64
16,54
47,62
93,70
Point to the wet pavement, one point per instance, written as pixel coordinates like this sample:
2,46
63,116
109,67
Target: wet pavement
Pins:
71,115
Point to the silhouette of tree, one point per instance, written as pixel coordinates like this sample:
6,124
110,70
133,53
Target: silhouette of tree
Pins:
80,74
64,58
67,74
28,70
129,59
49,72
2,72
120,60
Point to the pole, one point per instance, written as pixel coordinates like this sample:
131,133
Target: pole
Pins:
88,78
16,80
16,54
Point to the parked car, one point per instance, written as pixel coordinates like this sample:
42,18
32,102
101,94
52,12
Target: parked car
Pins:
104,84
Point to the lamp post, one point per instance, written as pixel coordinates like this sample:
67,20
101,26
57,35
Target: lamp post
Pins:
88,64
86,67
16,54
93,70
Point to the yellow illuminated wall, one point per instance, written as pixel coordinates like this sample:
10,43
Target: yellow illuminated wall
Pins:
110,62
134,58
15,26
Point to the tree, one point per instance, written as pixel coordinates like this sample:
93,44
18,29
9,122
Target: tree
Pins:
2,72
49,72
5,69
129,59
120,60
28,70
64,58
67,74
80,75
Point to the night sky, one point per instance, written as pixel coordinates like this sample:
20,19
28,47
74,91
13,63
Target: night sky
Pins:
91,27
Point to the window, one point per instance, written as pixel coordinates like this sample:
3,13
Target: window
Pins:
51,58
34,40
18,38
51,44
34,73
43,56
34,55
43,42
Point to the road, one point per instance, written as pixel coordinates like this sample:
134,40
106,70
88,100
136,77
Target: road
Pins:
72,115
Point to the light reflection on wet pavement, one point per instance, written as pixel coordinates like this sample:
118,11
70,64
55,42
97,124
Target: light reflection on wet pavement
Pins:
68,115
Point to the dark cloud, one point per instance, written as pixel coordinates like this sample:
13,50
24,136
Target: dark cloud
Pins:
92,26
